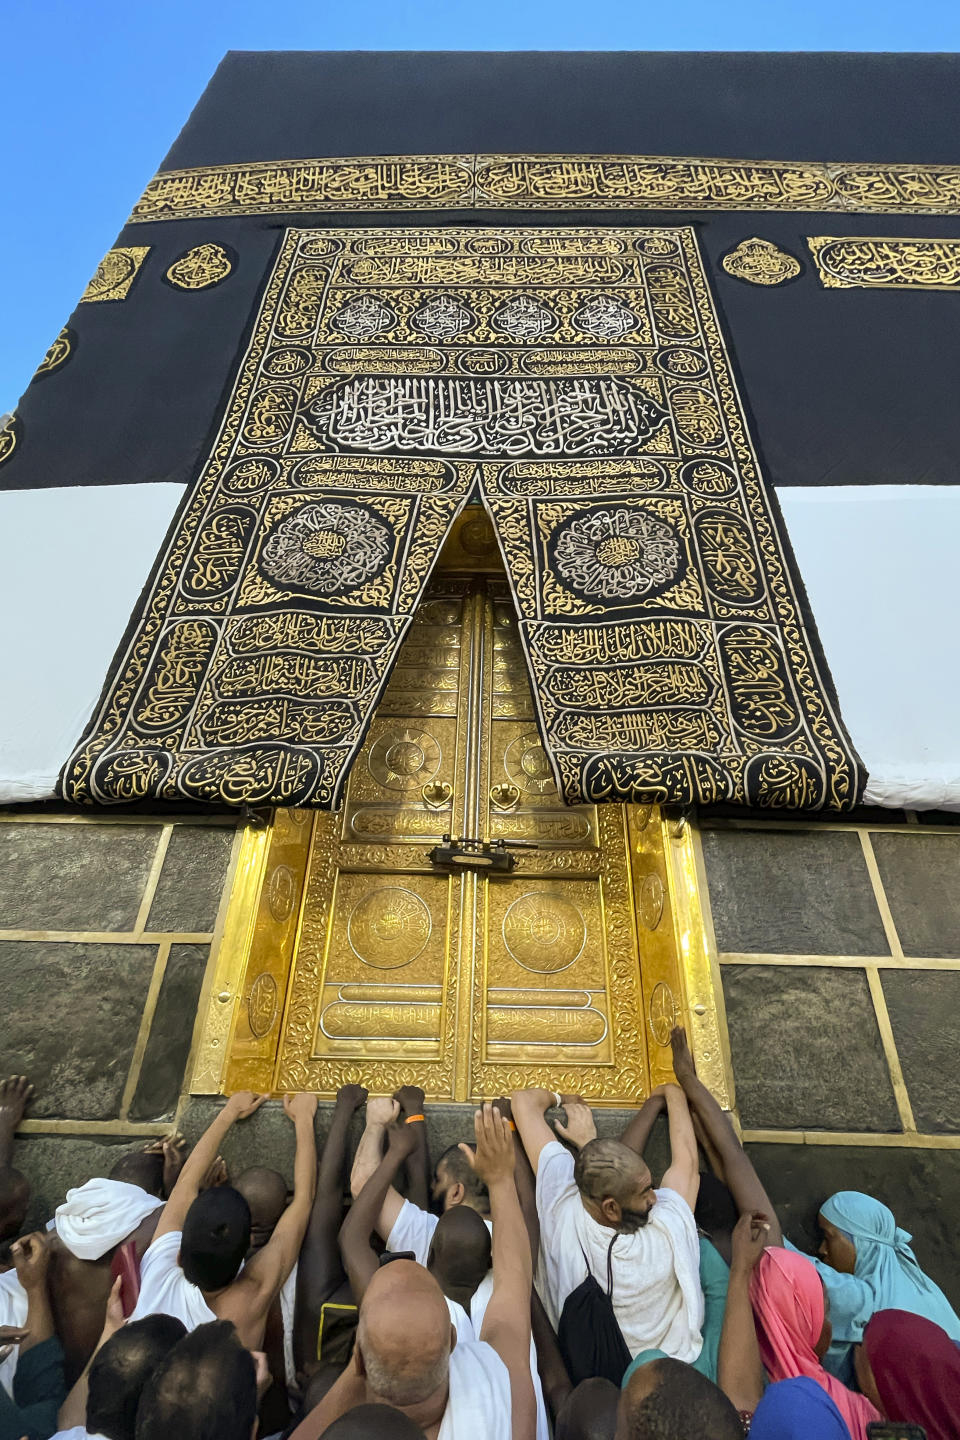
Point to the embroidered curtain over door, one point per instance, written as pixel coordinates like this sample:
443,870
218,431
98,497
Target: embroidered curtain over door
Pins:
582,373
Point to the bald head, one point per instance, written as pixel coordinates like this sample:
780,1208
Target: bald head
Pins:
614,1184
404,1335
265,1191
143,1168
373,1422
459,1252
589,1411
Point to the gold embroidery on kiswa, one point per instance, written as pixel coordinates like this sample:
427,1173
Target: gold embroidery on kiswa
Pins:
545,182
200,268
860,262
9,438
116,273
760,262
57,354
665,641
590,393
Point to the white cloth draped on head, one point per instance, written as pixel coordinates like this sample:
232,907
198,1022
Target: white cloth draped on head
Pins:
100,1214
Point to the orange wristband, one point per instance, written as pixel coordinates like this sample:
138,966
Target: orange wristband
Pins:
412,1119
511,1124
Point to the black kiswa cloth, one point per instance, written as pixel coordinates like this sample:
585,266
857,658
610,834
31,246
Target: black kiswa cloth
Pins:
591,1341
579,377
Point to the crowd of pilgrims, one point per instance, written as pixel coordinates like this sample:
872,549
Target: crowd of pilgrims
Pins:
533,1283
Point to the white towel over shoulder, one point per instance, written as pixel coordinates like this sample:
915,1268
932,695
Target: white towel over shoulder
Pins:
100,1214
479,1404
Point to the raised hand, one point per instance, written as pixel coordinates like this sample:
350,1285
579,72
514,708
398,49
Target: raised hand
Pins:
174,1150
243,1104
410,1099
401,1140
683,1066
217,1174
301,1106
351,1097
580,1128
31,1258
114,1317
382,1110
750,1237
495,1155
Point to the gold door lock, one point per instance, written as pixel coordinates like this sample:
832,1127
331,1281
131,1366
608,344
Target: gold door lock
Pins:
505,797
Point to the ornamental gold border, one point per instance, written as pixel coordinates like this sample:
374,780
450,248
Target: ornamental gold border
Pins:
547,182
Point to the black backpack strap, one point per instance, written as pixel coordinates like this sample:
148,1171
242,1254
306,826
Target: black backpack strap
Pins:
610,1265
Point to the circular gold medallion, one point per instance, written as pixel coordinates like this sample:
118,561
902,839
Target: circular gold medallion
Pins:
544,932
389,927
651,901
404,759
528,766
282,893
262,1005
663,1012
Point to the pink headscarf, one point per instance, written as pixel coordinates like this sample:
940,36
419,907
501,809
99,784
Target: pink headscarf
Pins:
787,1297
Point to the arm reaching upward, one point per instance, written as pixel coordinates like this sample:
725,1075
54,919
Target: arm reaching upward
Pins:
73,1411
684,1172
638,1131
506,1324
739,1371
553,1372
529,1109
359,1258
382,1111
739,1176
320,1272
202,1156
271,1265
410,1100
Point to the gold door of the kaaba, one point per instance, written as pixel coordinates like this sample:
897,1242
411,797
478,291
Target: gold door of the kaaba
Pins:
364,960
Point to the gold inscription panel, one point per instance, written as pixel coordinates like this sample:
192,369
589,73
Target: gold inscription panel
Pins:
546,182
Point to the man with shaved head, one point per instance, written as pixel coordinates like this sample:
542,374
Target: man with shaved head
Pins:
602,1221
407,1353
373,1422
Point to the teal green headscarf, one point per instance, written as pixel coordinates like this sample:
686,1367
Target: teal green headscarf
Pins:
886,1276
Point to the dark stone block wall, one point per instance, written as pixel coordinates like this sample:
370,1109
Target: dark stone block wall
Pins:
839,951
105,933
839,955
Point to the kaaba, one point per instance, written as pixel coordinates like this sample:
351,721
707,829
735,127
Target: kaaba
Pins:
496,518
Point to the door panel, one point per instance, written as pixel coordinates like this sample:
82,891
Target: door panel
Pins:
467,983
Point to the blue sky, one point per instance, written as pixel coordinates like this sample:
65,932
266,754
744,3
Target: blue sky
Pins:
93,93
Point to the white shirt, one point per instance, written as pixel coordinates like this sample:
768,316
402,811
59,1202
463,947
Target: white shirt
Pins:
288,1301
13,1311
413,1230
77,1432
479,1404
165,1290
656,1296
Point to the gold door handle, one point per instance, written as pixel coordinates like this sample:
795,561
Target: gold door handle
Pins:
505,797
437,793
